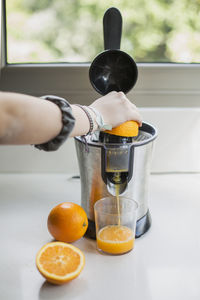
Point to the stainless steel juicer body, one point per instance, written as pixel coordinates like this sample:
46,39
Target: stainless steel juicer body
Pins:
92,173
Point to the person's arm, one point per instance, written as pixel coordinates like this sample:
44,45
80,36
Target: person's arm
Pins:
30,120
27,120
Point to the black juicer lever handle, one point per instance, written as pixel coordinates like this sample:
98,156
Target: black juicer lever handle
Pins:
112,29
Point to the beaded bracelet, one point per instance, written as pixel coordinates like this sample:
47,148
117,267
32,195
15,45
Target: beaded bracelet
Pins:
100,120
89,118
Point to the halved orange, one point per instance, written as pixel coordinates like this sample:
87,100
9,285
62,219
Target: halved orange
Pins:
60,262
127,129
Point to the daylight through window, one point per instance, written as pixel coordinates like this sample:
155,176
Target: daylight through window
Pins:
71,30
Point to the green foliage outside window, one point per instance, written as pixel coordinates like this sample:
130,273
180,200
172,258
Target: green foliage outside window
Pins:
71,30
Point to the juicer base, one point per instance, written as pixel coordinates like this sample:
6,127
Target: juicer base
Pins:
142,226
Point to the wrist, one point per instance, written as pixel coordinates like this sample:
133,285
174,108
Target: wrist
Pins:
82,125
88,124
101,124
93,116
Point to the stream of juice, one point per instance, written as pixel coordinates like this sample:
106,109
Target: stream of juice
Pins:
118,205
117,187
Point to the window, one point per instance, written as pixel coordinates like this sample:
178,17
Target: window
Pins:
71,30
50,44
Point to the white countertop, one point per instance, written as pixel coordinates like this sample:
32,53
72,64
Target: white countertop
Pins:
165,263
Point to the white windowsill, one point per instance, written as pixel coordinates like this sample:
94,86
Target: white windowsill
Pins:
158,85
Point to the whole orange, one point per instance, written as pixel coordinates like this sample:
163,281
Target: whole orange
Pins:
67,222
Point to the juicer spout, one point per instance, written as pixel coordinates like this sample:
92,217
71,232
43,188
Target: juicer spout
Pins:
116,189
117,183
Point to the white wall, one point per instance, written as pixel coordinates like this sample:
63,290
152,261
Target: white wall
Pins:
177,148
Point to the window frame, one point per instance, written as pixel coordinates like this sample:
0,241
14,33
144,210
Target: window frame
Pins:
158,85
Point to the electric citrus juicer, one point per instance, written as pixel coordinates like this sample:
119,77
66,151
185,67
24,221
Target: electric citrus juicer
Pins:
109,161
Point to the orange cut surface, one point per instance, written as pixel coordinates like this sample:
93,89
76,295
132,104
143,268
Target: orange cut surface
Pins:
127,129
60,262
115,239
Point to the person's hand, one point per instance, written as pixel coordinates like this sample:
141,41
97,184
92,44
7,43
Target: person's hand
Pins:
116,109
